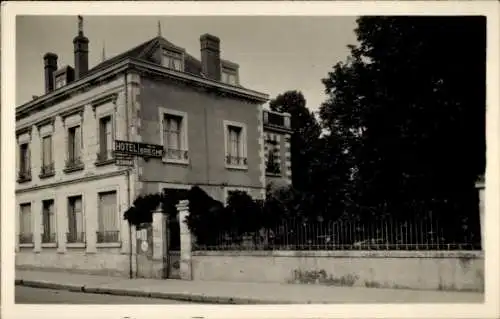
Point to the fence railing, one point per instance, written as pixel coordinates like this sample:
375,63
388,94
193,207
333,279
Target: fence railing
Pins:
343,235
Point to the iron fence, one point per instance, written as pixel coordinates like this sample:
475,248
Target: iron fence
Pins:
344,235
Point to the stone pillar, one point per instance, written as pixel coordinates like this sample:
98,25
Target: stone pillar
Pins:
158,234
185,260
36,210
59,148
90,203
61,207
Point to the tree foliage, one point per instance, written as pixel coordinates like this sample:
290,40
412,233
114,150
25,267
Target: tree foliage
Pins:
408,109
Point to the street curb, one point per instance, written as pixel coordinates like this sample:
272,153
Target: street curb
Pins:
144,294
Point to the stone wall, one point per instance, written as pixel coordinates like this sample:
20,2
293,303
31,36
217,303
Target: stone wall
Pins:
440,270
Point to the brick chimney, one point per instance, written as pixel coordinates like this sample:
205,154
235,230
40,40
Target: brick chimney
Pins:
81,46
210,56
50,66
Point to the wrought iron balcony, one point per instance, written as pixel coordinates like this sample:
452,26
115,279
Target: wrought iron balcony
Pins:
73,164
24,175
48,238
236,160
108,236
47,170
73,237
26,238
176,154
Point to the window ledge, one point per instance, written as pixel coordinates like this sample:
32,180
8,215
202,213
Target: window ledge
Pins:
26,245
75,245
237,167
104,162
108,245
24,180
71,169
273,174
176,161
49,245
47,175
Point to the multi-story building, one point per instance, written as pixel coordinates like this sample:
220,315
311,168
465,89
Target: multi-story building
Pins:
70,192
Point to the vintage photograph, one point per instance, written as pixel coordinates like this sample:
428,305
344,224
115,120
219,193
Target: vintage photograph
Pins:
250,159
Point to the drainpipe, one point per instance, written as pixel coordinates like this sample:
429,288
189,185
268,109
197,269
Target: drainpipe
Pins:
131,275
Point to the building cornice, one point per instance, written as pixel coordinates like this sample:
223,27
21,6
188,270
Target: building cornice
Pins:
122,66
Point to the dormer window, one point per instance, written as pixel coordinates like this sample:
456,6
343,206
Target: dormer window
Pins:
63,77
60,81
229,78
172,60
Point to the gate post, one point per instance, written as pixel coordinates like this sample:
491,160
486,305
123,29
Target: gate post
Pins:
185,254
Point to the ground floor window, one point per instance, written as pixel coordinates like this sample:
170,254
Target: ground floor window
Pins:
76,232
108,221
48,221
25,231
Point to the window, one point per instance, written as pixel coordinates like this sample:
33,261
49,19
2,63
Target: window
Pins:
108,226
25,231
76,232
273,162
235,136
105,139
48,221
229,78
24,163
74,147
60,81
47,163
174,136
172,60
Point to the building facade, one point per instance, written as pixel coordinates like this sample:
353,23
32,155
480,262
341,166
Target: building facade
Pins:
70,192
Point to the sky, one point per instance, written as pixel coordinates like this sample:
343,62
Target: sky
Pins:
275,53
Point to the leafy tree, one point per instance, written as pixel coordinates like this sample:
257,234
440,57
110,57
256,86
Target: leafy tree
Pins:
408,109
306,132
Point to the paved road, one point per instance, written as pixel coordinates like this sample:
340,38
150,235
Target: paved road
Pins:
27,295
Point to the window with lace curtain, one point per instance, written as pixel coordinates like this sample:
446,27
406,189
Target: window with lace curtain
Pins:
174,136
108,220
236,148
105,153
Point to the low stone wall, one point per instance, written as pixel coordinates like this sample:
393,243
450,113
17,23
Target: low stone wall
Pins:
427,270
107,261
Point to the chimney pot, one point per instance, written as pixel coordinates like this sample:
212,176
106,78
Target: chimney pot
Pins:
210,56
81,49
50,66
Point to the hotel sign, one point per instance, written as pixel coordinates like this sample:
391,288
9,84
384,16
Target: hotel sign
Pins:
138,149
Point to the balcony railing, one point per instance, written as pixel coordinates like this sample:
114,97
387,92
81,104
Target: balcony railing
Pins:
110,236
47,170
73,164
236,160
73,237
176,154
275,119
26,238
48,238
105,157
24,175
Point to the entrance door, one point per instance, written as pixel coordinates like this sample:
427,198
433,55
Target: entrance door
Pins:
144,246
172,229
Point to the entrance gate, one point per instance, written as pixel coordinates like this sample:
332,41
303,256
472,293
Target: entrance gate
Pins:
172,232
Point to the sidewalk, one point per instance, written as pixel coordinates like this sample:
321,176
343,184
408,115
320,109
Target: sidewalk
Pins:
234,293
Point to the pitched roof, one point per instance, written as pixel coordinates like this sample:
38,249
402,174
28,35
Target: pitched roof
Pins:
142,51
